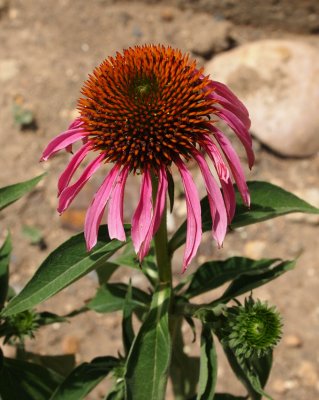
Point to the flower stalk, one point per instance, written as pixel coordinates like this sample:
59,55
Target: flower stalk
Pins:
161,244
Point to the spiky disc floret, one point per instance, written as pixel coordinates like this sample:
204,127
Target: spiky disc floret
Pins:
253,329
146,107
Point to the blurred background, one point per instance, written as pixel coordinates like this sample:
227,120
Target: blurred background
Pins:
267,51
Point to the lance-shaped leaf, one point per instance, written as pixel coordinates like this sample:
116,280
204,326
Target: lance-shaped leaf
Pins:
111,297
127,326
247,282
148,361
227,396
84,378
253,373
267,201
12,193
63,364
213,274
5,252
66,264
208,366
27,381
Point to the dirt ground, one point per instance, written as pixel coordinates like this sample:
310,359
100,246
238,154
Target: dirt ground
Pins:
47,48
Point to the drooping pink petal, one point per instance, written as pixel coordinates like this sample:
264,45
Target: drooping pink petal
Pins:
233,161
69,193
223,91
237,126
194,223
62,141
157,214
142,216
229,199
224,178
227,99
95,211
215,199
115,211
67,174
244,117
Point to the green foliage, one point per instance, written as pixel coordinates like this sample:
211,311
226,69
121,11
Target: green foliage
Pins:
208,366
148,362
112,297
155,349
28,381
12,193
267,201
5,252
65,265
84,378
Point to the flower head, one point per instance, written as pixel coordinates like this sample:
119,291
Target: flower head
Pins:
144,111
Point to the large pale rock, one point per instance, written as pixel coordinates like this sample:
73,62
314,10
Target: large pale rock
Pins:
278,80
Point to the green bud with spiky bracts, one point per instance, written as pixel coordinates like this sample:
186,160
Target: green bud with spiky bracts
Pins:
19,326
252,329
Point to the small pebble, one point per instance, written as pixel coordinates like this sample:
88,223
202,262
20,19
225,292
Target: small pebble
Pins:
293,341
70,345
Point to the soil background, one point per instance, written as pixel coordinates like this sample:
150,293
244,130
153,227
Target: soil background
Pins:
47,49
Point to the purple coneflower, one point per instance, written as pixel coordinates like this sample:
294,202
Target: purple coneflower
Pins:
143,111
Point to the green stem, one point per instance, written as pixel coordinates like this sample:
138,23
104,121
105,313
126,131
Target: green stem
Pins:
161,245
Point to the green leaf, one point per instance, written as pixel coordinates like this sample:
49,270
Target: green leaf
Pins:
47,318
250,372
267,201
127,326
84,378
27,381
208,366
213,274
5,252
65,265
227,396
247,282
63,364
112,297
148,362
12,193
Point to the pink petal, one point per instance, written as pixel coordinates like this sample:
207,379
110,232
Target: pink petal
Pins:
67,174
69,193
237,126
224,178
76,123
215,198
223,91
62,141
194,223
243,116
141,219
157,215
95,211
233,161
115,212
